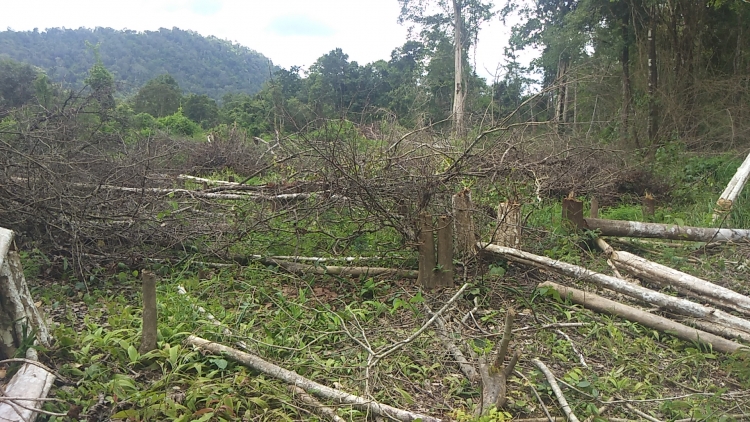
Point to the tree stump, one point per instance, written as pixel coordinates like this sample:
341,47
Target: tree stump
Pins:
426,253
649,205
444,268
466,241
594,211
508,231
572,214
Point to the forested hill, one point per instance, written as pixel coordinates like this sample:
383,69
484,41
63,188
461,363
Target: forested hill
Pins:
201,65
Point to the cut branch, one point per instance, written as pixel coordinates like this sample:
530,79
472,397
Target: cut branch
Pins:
310,386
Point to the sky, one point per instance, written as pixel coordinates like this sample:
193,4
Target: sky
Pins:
289,32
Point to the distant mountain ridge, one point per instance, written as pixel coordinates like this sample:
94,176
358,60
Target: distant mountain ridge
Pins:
201,65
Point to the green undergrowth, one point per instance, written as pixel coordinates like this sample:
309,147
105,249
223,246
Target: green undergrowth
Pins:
322,326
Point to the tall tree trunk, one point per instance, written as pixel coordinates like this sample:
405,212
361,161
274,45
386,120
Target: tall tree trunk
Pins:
561,107
653,110
626,89
459,94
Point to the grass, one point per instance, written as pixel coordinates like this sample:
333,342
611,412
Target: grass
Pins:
316,326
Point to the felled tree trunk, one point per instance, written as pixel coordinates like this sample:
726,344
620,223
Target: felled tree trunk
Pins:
600,304
18,314
717,320
665,231
730,194
19,318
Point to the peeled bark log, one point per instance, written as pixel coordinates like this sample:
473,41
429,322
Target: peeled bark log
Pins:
665,231
671,303
30,382
696,287
18,313
730,194
310,386
508,231
600,304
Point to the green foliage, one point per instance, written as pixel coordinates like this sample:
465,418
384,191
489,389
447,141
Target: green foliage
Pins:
17,84
159,97
201,109
178,124
202,65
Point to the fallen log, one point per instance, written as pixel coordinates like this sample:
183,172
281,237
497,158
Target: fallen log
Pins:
730,194
685,283
298,268
671,303
18,313
665,231
600,304
312,387
30,384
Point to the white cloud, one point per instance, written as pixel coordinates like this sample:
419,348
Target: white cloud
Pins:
366,30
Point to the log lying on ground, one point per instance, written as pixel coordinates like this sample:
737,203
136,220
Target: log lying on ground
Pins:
599,304
18,313
685,283
31,382
310,386
298,268
730,194
665,231
671,303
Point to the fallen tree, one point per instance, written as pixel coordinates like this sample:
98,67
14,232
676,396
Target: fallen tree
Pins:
664,231
298,268
685,283
310,386
600,304
718,319
734,187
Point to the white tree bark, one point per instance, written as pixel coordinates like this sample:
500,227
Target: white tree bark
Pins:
671,303
730,194
18,313
30,382
310,386
600,304
665,231
459,94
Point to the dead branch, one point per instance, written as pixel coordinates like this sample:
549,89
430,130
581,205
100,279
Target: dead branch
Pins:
310,386
298,268
463,363
317,406
556,389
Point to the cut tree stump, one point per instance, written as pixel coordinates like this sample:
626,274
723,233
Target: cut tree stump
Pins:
508,231
649,205
572,214
464,224
444,269
426,249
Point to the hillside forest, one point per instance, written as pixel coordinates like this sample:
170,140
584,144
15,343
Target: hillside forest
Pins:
385,240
